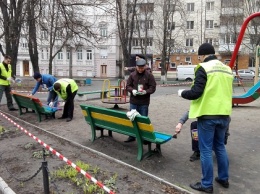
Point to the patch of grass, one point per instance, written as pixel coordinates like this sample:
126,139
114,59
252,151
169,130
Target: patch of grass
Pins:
85,185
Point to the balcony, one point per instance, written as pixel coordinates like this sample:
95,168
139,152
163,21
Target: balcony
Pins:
226,48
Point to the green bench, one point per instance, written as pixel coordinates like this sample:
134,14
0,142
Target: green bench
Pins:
30,102
116,121
103,93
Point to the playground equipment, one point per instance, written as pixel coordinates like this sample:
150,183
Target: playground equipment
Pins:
120,93
254,92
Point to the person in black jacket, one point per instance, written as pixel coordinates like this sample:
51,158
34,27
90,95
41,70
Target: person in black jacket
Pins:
141,84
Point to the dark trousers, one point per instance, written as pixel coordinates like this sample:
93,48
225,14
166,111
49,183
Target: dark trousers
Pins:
69,106
9,99
194,136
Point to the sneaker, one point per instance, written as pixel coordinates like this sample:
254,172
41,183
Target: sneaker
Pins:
195,156
223,183
197,186
13,109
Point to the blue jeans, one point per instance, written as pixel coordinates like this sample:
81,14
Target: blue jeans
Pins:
49,100
211,137
142,109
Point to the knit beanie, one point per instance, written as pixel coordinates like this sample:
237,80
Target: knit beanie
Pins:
206,49
37,75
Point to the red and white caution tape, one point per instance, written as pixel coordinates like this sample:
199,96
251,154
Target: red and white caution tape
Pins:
60,156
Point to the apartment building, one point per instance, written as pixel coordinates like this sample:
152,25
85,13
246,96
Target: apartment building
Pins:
186,25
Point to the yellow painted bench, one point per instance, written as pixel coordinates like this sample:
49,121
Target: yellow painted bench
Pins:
116,121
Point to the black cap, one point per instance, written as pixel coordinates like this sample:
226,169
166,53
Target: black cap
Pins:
206,49
37,75
140,56
140,62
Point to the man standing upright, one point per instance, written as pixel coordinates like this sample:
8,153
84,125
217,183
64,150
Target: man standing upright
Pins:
5,80
211,104
141,84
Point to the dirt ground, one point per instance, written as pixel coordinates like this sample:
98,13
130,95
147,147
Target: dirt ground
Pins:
19,160
173,167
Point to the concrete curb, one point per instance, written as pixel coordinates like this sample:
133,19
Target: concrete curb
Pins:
4,188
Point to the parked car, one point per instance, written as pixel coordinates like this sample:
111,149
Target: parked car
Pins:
246,74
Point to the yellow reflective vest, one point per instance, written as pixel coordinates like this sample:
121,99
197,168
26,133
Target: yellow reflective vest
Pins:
64,83
217,95
5,74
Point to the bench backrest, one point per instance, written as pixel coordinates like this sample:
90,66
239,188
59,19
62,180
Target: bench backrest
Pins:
29,102
118,121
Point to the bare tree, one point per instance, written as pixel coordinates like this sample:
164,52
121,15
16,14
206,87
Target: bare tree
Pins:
32,32
125,23
13,18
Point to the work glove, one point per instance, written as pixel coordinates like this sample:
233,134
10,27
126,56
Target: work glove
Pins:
143,92
134,92
180,91
44,87
10,79
51,104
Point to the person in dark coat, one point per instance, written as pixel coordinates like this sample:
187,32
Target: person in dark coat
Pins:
141,84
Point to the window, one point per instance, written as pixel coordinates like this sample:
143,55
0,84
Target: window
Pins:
172,65
47,53
187,59
190,6
149,24
103,30
171,26
135,42
44,34
189,42
209,40
103,52
60,55
79,54
89,54
170,43
210,6
68,54
171,7
42,53
190,24
147,42
209,24
59,34
159,65
230,39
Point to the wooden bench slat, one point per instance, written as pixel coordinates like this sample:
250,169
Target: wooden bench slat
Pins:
117,121
30,102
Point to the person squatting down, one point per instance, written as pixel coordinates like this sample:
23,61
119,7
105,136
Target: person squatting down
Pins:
67,90
211,104
194,135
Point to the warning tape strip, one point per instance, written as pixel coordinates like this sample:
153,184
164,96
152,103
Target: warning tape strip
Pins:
177,84
23,91
60,156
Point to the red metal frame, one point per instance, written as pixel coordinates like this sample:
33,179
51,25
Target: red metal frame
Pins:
240,37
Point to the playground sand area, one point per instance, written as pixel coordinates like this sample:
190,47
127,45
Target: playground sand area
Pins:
173,167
